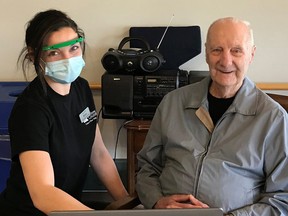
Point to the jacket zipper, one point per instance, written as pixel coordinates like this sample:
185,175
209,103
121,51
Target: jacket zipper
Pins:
201,159
199,168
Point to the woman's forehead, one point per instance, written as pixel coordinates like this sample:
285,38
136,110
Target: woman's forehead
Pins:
60,36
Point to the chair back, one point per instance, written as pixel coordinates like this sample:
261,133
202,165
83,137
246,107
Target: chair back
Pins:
281,99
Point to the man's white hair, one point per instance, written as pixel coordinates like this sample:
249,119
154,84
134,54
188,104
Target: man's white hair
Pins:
235,20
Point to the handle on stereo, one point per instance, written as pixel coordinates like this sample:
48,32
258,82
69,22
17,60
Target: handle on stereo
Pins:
126,39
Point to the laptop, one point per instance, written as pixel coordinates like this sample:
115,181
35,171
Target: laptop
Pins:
144,212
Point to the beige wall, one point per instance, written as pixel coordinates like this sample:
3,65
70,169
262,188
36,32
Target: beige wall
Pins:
106,22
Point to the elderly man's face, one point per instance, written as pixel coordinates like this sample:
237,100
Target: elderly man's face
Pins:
229,53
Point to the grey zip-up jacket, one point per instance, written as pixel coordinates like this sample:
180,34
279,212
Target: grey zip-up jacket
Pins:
239,165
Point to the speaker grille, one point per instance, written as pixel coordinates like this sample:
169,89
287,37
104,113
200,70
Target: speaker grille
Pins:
111,62
117,96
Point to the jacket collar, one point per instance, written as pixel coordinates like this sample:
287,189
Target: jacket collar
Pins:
245,102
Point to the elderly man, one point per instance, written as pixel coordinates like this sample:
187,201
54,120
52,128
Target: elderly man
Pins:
220,142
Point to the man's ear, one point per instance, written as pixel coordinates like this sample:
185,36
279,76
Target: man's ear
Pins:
206,53
253,53
253,50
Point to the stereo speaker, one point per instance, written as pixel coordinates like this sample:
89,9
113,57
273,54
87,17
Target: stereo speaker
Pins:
117,96
131,60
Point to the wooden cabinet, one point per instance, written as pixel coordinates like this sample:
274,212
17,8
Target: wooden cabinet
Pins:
136,134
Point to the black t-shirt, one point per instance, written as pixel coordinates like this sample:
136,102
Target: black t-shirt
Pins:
64,126
218,106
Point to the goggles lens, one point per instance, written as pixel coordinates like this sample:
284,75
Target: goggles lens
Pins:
63,44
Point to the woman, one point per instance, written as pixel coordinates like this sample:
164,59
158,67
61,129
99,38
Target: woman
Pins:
53,125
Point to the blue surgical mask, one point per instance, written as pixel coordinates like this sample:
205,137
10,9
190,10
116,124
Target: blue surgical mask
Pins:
66,70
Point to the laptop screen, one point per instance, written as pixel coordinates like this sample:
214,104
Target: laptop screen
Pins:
144,212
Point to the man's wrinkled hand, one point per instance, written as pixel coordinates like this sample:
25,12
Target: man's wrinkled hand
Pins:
179,201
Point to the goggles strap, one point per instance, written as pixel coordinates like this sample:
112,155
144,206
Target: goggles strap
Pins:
63,44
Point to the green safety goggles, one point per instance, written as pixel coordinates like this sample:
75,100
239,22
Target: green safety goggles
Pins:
63,44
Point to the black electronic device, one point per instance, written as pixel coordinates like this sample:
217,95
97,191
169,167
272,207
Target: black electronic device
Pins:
137,96
180,44
148,90
196,76
117,96
130,60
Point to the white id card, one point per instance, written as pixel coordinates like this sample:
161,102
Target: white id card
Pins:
84,115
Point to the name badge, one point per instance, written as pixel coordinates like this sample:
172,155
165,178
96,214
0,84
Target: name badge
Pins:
84,115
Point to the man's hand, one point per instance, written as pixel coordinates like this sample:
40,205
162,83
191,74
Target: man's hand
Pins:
179,201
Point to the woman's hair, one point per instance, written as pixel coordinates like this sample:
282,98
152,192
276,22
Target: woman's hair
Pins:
38,29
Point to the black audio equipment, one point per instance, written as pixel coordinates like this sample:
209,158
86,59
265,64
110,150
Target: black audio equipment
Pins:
135,94
149,90
196,76
117,96
147,59
181,43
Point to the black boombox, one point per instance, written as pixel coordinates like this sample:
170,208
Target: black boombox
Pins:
130,60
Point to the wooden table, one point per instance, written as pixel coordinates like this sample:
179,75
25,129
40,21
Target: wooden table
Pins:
136,134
